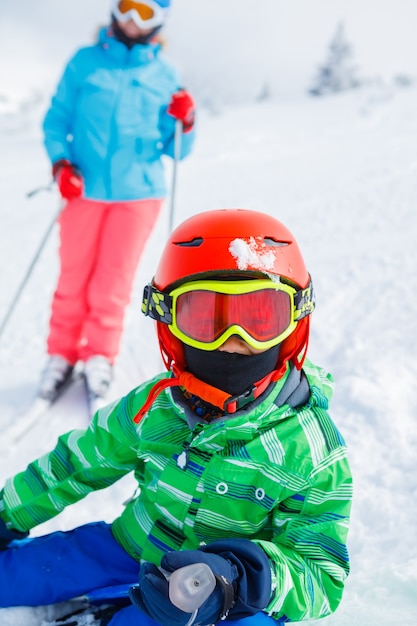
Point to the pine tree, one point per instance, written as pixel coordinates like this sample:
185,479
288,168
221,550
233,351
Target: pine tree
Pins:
338,73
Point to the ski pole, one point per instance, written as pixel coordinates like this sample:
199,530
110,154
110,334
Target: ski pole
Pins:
177,156
106,594
28,273
189,588
35,191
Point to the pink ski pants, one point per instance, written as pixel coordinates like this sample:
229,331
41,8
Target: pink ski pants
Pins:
100,247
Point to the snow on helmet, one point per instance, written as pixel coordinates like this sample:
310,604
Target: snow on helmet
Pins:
233,242
146,14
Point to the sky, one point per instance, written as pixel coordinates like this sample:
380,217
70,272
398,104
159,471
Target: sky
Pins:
340,172
239,47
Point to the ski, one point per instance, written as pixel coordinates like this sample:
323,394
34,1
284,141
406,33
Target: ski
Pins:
26,419
94,401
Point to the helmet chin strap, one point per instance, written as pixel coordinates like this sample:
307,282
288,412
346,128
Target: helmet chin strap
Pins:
228,403
221,379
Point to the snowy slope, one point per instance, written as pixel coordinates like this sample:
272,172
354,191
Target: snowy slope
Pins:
341,174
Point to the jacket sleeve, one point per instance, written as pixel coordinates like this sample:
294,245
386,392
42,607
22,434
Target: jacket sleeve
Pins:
57,121
82,462
308,554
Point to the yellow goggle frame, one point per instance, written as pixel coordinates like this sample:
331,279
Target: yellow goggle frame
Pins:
237,307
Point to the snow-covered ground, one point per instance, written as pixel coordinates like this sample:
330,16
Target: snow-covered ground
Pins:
341,173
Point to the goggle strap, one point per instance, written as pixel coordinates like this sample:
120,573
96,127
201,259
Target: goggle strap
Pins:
157,304
304,302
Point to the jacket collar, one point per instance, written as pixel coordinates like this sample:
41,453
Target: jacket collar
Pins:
139,54
243,423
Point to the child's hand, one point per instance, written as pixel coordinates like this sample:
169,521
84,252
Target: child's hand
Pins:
243,583
152,594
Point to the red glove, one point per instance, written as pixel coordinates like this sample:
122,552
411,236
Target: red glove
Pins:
68,178
182,107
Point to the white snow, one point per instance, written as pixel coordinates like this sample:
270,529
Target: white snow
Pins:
251,252
341,173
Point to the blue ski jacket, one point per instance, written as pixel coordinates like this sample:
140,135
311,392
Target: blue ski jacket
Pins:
109,118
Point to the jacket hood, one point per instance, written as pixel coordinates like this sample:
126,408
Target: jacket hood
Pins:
321,385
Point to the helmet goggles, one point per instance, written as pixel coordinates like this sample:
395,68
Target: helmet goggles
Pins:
204,314
146,14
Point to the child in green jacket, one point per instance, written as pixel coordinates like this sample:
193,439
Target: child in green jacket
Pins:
238,463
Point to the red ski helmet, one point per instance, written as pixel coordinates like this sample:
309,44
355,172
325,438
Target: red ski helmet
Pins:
232,242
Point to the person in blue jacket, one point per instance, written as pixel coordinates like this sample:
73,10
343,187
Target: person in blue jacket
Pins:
110,122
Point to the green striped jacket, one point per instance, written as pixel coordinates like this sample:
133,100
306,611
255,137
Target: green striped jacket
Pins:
277,475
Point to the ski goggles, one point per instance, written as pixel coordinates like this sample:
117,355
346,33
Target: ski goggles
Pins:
204,314
145,14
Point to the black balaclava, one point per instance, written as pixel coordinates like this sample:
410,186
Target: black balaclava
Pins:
120,35
231,372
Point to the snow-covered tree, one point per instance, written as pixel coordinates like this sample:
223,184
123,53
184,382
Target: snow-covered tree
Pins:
338,73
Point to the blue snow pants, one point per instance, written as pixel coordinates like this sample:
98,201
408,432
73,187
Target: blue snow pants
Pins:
63,565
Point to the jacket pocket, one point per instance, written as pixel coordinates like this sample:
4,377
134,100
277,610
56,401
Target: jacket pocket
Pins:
238,500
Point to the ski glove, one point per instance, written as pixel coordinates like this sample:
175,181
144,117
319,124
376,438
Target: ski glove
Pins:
68,178
182,107
243,583
8,535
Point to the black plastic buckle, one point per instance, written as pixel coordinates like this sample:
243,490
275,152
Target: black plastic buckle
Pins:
242,399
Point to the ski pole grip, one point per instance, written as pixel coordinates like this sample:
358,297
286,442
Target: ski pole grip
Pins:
190,586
